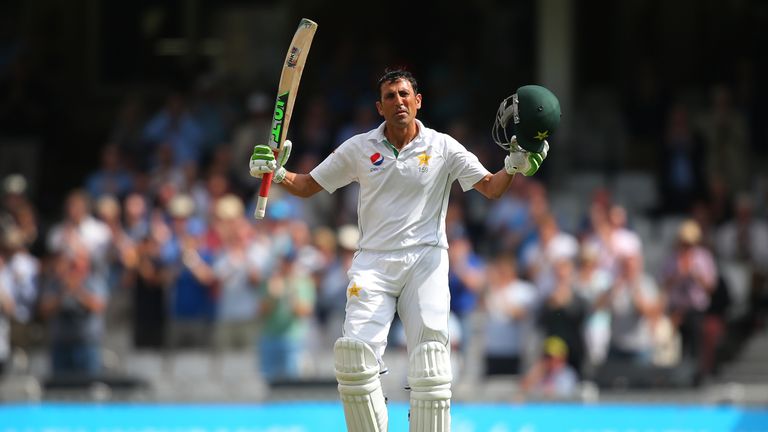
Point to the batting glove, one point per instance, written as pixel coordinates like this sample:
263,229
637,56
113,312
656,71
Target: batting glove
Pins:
263,161
521,161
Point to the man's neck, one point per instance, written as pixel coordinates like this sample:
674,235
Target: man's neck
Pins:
399,137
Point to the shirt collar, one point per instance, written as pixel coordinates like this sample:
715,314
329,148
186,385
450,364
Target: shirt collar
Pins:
378,133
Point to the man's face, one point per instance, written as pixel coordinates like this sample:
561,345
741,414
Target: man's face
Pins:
77,208
398,103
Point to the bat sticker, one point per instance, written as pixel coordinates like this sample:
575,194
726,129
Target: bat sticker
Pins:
293,57
277,119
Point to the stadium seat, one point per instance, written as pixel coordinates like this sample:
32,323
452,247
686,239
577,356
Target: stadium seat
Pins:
616,374
20,387
148,365
568,208
96,387
583,184
643,226
654,254
190,365
668,227
19,364
738,279
39,362
234,365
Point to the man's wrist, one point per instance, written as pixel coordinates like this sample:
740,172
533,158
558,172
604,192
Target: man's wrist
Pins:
279,175
510,166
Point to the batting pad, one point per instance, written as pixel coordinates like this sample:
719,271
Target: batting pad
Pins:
430,378
357,372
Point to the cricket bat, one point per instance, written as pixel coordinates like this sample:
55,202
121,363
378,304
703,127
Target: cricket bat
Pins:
286,95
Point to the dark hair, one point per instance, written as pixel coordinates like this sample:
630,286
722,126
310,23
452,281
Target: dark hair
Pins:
392,75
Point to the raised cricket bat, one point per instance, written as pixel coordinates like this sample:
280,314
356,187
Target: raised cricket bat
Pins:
286,95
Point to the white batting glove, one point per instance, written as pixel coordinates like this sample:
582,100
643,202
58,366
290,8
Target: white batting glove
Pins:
524,162
263,161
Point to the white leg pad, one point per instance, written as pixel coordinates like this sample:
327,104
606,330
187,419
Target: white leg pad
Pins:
430,378
357,372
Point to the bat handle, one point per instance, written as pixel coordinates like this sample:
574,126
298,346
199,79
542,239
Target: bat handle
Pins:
261,203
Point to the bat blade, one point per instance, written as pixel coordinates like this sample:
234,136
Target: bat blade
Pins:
293,66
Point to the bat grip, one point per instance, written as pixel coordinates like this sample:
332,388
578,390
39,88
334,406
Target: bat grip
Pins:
261,203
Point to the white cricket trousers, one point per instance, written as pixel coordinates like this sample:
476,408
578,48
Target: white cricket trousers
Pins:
413,281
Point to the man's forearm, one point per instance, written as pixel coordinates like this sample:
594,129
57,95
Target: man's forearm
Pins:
89,300
493,186
301,185
500,182
7,305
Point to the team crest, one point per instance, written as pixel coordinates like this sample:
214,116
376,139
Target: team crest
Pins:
354,290
424,162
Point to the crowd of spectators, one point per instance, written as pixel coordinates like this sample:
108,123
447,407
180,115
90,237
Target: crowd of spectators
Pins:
164,220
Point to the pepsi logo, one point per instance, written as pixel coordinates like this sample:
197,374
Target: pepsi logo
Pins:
377,159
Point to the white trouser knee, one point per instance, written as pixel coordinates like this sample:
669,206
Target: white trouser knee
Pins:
430,378
357,372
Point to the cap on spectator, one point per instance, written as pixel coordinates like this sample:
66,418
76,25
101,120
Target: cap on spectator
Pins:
108,207
181,206
13,238
689,232
15,184
555,347
229,207
324,238
349,236
589,252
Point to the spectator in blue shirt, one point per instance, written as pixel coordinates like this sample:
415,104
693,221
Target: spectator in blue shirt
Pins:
74,302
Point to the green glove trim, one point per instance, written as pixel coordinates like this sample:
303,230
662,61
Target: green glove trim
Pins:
535,160
262,152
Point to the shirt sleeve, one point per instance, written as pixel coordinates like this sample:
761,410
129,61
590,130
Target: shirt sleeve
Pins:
464,165
527,294
528,256
5,283
337,170
97,288
25,278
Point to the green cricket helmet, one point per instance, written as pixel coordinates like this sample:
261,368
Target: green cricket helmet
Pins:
535,115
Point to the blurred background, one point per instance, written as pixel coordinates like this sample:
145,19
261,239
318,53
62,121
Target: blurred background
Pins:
632,268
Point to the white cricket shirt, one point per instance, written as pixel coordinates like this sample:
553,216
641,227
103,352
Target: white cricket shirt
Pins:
403,196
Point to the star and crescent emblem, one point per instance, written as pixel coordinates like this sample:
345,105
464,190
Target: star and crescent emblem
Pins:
354,290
